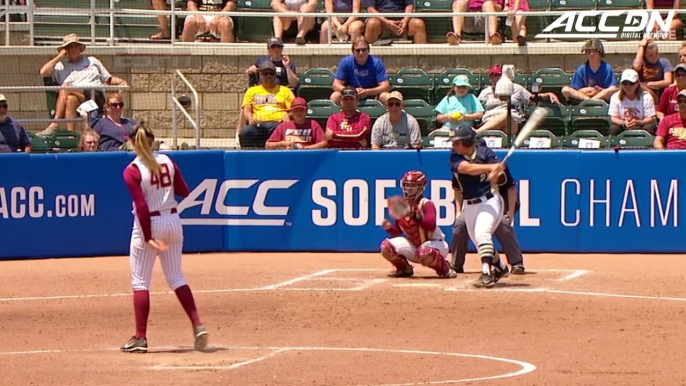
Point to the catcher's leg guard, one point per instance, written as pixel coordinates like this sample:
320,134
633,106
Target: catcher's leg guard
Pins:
431,257
402,266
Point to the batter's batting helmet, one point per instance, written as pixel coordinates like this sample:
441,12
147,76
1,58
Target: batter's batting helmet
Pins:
463,133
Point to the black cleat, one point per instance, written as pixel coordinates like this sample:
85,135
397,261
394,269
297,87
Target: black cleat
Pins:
458,269
407,272
518,269
136,345
485,281
498,273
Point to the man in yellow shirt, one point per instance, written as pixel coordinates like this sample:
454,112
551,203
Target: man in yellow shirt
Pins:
264,107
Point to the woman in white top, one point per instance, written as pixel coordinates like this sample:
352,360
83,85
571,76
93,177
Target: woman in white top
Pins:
632,107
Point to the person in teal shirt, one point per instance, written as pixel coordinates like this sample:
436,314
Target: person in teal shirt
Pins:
459,100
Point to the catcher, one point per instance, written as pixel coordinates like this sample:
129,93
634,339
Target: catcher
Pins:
415,216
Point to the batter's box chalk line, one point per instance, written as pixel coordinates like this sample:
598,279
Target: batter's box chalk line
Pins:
525,367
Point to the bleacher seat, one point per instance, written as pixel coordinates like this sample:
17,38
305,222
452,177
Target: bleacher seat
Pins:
573,139
634,138
413,83
423,112
315,83
542,139
550,80
39,144
591,115
556,121
495,139
321,109
251,28
373,107
436,28
536,24
437,139
63,140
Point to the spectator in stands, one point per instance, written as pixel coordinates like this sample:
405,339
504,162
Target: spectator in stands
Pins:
459,106
396,128
495,114
668,99
77,70
476,23
13,136
631,108
264,106
349,128
682,53
380,26
209,25
594,79
671,133
667,4
113,129
161,5
298,133
518,26
286,71
282,24
344,28
655,72
89,141
363,71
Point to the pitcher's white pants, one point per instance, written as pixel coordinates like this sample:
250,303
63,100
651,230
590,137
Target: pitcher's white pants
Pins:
167,228
482,219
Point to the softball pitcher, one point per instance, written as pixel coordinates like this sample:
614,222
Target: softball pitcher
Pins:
153,180
424,242
476,168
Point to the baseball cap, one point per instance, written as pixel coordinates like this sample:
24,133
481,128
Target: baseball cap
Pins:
349,92
496,70
2,98
461,80
298,103
267,65
629,75
274,41
680,67
395,95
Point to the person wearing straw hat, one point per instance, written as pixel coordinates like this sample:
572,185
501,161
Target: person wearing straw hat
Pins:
76,70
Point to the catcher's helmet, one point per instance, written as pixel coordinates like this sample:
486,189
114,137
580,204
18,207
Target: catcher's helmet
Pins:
463,133
413,184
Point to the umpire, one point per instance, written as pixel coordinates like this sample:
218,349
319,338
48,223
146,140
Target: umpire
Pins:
505,232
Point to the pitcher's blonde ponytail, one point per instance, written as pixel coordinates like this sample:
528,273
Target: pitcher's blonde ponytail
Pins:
143,139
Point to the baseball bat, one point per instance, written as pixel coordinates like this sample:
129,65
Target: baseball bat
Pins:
531,124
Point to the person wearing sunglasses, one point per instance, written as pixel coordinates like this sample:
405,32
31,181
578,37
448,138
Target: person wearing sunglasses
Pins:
114,129
632,108
363,71
13,136
396,129
671,133
668,103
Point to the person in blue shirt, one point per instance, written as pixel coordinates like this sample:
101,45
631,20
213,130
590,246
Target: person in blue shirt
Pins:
478,171
459,100
594,79
13,136
365,72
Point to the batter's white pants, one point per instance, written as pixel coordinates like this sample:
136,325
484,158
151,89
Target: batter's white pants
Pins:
482,219
167,228
404,248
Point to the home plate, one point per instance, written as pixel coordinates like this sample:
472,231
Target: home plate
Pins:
417,285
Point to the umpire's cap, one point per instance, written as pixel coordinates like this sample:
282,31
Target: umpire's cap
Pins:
464,133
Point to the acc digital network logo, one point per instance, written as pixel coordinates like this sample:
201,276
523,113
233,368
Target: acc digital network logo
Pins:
248,214
610,25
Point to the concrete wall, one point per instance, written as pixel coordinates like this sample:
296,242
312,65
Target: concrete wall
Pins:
218,73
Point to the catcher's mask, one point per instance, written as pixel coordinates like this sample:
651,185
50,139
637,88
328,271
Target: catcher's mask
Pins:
413,184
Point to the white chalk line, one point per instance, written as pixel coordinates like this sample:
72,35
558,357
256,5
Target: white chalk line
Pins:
525,366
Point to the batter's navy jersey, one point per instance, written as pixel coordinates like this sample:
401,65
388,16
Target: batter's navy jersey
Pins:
502,188
473,186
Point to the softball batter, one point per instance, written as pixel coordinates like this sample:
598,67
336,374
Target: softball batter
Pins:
476,168
153,180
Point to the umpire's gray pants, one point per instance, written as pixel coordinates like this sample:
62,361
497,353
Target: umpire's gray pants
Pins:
504,232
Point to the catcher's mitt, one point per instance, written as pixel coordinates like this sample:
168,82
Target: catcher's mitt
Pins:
398,207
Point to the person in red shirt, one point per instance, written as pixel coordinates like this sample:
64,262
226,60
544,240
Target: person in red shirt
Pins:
668,103
298,133
671,134
349,128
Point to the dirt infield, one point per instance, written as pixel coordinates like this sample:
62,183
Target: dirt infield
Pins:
336,319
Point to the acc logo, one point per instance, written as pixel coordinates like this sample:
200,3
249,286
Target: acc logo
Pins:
239,212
